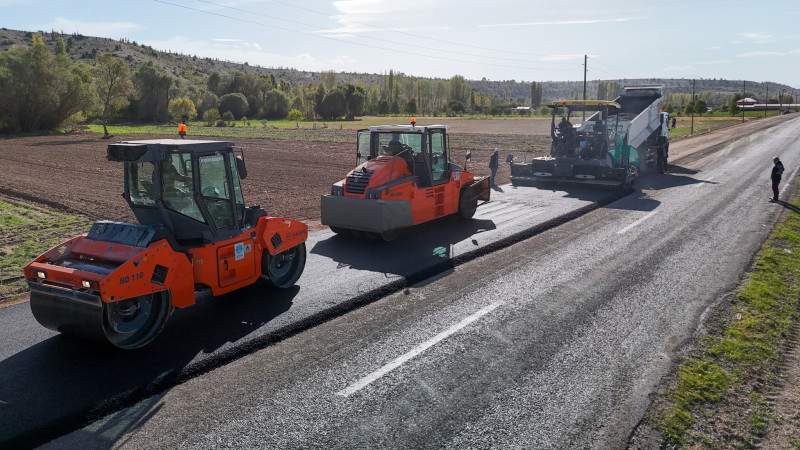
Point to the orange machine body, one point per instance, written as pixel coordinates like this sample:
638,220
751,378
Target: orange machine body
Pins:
114,271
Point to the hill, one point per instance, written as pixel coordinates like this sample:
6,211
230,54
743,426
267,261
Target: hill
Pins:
193,69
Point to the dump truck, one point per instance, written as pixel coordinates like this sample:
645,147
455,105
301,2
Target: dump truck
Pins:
619,139
403,177
120,282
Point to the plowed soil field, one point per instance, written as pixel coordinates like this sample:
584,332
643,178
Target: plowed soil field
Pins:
286,177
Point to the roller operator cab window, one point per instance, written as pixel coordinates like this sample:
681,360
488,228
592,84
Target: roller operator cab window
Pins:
139,179
215,191
394,143
178,185
438,148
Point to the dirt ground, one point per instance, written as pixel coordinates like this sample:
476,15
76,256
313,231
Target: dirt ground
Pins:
287,178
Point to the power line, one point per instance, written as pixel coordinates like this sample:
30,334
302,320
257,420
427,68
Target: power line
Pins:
347,42
407,33
364,36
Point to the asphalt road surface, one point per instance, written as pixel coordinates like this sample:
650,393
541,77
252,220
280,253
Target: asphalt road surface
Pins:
553,342
51,385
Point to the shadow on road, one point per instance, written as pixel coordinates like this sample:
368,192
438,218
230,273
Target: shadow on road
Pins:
416,254
61,384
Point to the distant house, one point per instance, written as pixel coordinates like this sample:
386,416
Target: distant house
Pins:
746,101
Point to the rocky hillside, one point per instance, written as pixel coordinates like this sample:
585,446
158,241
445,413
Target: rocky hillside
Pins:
194,69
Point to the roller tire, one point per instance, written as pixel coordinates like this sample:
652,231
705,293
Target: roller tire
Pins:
284,269
466,208
135,322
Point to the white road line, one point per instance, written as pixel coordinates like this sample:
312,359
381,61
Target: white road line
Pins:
649,215
363,382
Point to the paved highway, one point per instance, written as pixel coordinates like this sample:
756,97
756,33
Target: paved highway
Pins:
552,342
50,385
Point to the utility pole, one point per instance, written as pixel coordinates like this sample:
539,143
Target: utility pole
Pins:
585,61
766,102
691,133
744,89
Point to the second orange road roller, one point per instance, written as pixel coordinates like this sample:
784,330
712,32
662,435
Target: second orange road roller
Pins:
403,177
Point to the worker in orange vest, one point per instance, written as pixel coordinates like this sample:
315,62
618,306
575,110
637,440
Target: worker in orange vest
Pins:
182,130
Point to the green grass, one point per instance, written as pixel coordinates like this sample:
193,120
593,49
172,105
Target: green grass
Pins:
765,312
334,131
26,231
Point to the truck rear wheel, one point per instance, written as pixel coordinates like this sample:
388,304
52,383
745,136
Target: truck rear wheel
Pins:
135,322
284,269
466,204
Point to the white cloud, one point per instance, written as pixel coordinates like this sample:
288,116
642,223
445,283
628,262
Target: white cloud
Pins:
759,54
714,62
562,57
562,22
114,30
758,37
228,40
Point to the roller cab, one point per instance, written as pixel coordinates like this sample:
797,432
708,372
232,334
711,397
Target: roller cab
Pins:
403,177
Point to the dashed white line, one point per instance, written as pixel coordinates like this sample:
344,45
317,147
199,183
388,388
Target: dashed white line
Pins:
649,215
363,382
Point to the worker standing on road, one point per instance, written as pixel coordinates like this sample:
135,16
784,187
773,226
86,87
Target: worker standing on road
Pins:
777,171
182,130
493,164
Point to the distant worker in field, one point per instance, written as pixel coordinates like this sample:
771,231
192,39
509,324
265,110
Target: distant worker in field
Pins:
493,163
182,130
674,120
777,171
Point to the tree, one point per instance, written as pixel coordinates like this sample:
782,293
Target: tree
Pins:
112,78
152,87
355,97
276,105
208,100
211,116
455,107
182,108
319,96
700,106
733,108
536,95
236,103
328,79
227,116
383,108
333,105
296,116
411,107
40,91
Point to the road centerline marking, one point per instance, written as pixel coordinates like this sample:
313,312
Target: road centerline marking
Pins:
416,351
649,215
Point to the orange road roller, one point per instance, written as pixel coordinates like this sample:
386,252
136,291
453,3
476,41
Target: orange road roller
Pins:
120,282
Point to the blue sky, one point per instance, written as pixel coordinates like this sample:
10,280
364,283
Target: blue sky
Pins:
523,40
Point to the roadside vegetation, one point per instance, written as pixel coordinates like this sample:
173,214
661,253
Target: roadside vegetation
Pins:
719,397
26,231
